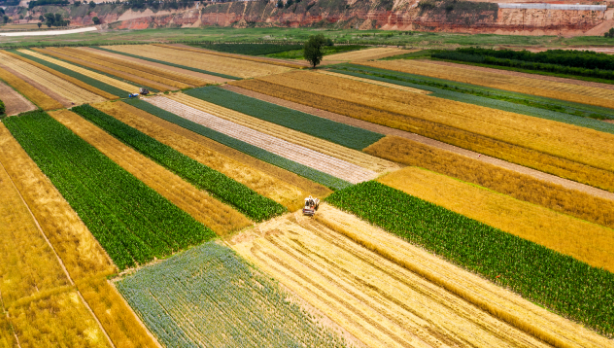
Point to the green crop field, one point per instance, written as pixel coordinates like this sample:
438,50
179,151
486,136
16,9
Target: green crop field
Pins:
209,297
131,221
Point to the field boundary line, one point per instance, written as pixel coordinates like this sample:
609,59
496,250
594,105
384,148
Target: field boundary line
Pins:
502,315
6,313
72,282
427,141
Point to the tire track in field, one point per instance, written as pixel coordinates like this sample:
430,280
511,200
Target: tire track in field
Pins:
302,155
427,141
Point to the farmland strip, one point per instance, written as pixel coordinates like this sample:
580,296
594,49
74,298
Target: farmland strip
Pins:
275,185
107,91
226,189
36,96
74,81
314,175
201,60
574,289
84,72
105,70
224,76
302,155
535,86
347,136
128,218
14,102
304,140
579,154
216,299
209,211
81,254
519,185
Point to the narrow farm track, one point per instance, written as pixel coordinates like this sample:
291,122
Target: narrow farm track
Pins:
321,162
355,157
282,192
356,275
72,93
14,102
428,141
199,204
103,78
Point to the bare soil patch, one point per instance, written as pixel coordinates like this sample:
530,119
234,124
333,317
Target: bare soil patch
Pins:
13,101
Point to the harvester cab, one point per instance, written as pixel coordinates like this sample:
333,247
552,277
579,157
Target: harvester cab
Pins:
311,206
143,91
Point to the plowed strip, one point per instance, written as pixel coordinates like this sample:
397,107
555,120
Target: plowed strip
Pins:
381,302
535,86
299,154
212,213
352,156
103,78
14,102
261,182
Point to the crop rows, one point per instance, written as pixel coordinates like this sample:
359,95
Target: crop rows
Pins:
131,221
279,185
35,95
570,287
228,190
365,54
201,60
347,136
294,152
114,73
520,186
72,80
181,66
535,86
252,49
565,150
209,297
301,139
117,84
491,98
111,91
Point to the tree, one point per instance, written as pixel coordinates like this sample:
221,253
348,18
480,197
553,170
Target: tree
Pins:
289,3
77,3
96,20
609,34
313,49
5,19
92,4
39,24
280,4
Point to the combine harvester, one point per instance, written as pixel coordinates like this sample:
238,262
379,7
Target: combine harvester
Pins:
311,206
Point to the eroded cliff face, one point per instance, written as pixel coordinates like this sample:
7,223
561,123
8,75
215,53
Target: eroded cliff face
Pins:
424,15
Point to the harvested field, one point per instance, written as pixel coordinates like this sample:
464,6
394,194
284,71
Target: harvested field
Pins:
215,299
214,214
324,147
119,321
365,54
517,83
14,102
36,96
366,293
519,185
70,79
267,60
375,82
565,150
321,162
79,251
184,76
263,183
587,242
110,81
59,319
86,62
211,62
67,90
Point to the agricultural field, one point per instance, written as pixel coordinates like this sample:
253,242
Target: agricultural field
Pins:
458,206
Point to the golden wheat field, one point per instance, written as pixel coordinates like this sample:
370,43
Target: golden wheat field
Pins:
535,86
33,94
206,209
103,78
200,60
365,54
